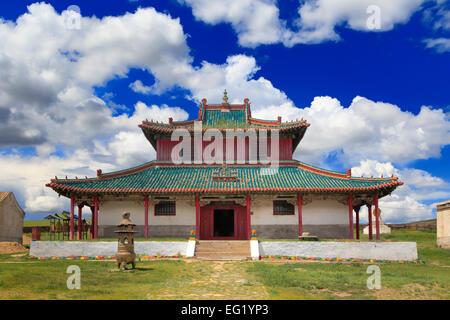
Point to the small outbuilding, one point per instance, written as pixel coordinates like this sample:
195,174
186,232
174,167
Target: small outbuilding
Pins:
443,224
11,218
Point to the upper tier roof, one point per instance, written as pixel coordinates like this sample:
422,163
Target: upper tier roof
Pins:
225,116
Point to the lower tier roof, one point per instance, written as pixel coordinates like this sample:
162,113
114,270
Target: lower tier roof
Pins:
158,178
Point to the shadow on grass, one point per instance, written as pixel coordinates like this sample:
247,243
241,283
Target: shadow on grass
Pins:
141,269
137,269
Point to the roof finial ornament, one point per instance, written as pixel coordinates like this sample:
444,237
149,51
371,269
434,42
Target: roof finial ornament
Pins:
225,97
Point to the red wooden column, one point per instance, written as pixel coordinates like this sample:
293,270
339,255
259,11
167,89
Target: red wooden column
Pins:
249,223
350,216
377,217
146,217
72,209
92,222
197,217
300,218
369,211
80,221
357,222
95,225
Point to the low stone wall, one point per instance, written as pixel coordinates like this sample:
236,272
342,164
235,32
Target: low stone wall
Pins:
161,231
91,249
273,231
347,250
290,231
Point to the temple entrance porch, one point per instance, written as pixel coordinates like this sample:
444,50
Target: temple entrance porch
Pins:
230,217
223,221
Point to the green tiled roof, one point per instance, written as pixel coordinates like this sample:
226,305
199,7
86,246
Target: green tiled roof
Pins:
221,119
224,117
152,178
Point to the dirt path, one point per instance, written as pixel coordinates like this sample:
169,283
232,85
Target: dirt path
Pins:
217,280
11,247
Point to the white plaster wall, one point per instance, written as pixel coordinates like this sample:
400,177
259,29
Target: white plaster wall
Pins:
263,213
110,213
325,212
316,212
185,215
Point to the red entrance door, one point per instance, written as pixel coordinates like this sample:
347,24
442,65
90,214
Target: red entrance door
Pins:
215,222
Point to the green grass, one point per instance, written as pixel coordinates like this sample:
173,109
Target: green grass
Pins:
41,223
24,278
32,279
44,223
335,281
430,221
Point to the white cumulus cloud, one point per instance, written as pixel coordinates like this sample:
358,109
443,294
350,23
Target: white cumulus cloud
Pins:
405,203
258,22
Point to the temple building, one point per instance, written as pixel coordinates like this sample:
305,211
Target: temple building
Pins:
274,194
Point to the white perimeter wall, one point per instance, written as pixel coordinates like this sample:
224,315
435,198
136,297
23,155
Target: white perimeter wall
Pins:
110,213
316,212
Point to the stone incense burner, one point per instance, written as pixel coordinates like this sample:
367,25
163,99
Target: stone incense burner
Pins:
125,253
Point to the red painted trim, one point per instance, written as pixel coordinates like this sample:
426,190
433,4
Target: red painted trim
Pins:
350,215
92,223
96,217
165,128
80,221
357,223
72,209
249,232
377,217
369,211
207,221
197,216
146,217
300,217
227,190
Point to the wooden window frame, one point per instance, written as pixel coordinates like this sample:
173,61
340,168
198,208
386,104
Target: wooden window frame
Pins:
292,213
166,214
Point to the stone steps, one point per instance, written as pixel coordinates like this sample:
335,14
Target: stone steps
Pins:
222,250
230,258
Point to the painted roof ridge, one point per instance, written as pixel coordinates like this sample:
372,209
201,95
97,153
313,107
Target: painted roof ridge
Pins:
202,117
110,175
344,175
279,122
174,125
222,106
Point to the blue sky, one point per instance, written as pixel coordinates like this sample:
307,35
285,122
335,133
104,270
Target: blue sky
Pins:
363,91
